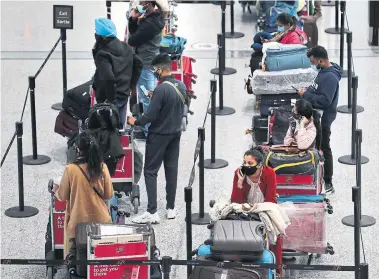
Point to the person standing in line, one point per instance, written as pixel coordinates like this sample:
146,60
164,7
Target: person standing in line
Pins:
145,27
165,114
323,94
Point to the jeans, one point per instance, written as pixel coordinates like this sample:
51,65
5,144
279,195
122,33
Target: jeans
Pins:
258,45
327,151
161,148
148,80
122,112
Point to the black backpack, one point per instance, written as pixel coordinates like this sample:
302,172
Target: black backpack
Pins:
279,123
105,116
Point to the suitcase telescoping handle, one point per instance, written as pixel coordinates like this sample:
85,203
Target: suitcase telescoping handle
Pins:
50,186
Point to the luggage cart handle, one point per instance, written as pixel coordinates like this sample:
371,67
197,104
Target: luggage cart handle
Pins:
50,186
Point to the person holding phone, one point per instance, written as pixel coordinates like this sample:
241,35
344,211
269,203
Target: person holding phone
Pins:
305,128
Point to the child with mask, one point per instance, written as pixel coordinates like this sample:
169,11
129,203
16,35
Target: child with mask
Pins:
288,33
304,130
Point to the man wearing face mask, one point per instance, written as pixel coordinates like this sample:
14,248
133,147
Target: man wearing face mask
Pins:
167,107
323,95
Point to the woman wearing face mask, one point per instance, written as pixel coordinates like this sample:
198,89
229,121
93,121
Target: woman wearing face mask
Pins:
253,182
304,130
288,33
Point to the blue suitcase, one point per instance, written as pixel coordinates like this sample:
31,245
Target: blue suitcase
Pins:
301,199
287,57
268,257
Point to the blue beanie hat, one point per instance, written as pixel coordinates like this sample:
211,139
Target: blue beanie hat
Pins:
105,27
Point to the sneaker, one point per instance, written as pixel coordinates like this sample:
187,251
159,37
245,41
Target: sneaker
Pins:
171,213
329,189
147,217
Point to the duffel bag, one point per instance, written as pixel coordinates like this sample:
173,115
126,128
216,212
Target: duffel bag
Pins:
303,163
66,125
77,100
287,57
172,44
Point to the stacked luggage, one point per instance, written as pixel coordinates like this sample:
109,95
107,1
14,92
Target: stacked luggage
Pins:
236,241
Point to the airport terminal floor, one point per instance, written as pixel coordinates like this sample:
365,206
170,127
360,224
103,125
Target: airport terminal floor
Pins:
27,37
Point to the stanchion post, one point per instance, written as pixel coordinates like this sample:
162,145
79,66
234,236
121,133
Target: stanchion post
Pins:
328,3
351,159
365,220
34,159
232,34
166,266
342,37
348,108
201,218
109,7
222,51
336,29
357,231
188,201
63,20
20,211
214,163
364,270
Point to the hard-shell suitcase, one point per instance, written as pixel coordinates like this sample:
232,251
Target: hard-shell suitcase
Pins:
237,240
260,129
281,82
310,28
77,100
207,272
66,125
287,57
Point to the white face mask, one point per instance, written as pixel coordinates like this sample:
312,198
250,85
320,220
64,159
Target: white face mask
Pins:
315,68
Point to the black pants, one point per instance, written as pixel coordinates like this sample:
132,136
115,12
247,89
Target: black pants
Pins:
325,147
161,148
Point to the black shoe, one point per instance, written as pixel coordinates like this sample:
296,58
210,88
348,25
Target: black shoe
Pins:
329,189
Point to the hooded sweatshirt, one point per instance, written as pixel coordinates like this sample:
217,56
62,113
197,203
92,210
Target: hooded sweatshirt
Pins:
146,36
323,93
115,65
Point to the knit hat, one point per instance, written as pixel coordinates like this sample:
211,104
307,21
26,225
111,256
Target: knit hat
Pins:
105,27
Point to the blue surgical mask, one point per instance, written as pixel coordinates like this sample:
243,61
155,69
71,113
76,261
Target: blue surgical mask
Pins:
281,28
141,9
316,67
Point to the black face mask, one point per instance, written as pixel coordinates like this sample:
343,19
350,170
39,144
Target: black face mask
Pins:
249,170
296,116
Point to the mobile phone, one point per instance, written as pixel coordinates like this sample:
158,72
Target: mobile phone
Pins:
144,90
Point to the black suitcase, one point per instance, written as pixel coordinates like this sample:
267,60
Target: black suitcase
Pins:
237,240
275,101
260,129
80,242
310,28
208,272
66,125
77,101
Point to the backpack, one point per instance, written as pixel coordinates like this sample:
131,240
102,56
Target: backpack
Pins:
278,9
104,115
279,123
172,44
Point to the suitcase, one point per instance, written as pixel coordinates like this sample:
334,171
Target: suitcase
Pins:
255,60
234,240
275,101
77,100
80,247
310,28
307,232
260,130
282,82
287,57
207,272
66,125
279,122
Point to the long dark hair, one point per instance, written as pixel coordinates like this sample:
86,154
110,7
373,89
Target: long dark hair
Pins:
90,153
304,108
257,153
285,19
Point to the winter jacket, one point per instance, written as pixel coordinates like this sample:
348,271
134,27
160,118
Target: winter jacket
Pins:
117,70
323,93
294,37
146,35
305,138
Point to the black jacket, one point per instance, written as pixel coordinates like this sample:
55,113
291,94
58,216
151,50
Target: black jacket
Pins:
146,36
166,108
117,70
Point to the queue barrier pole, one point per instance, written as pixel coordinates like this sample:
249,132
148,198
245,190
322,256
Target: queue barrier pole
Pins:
166,266
348,108
351,159
188,219
335,30
201,218
327,3
214,163
342,37
109,9
232,34
34,159
20,211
